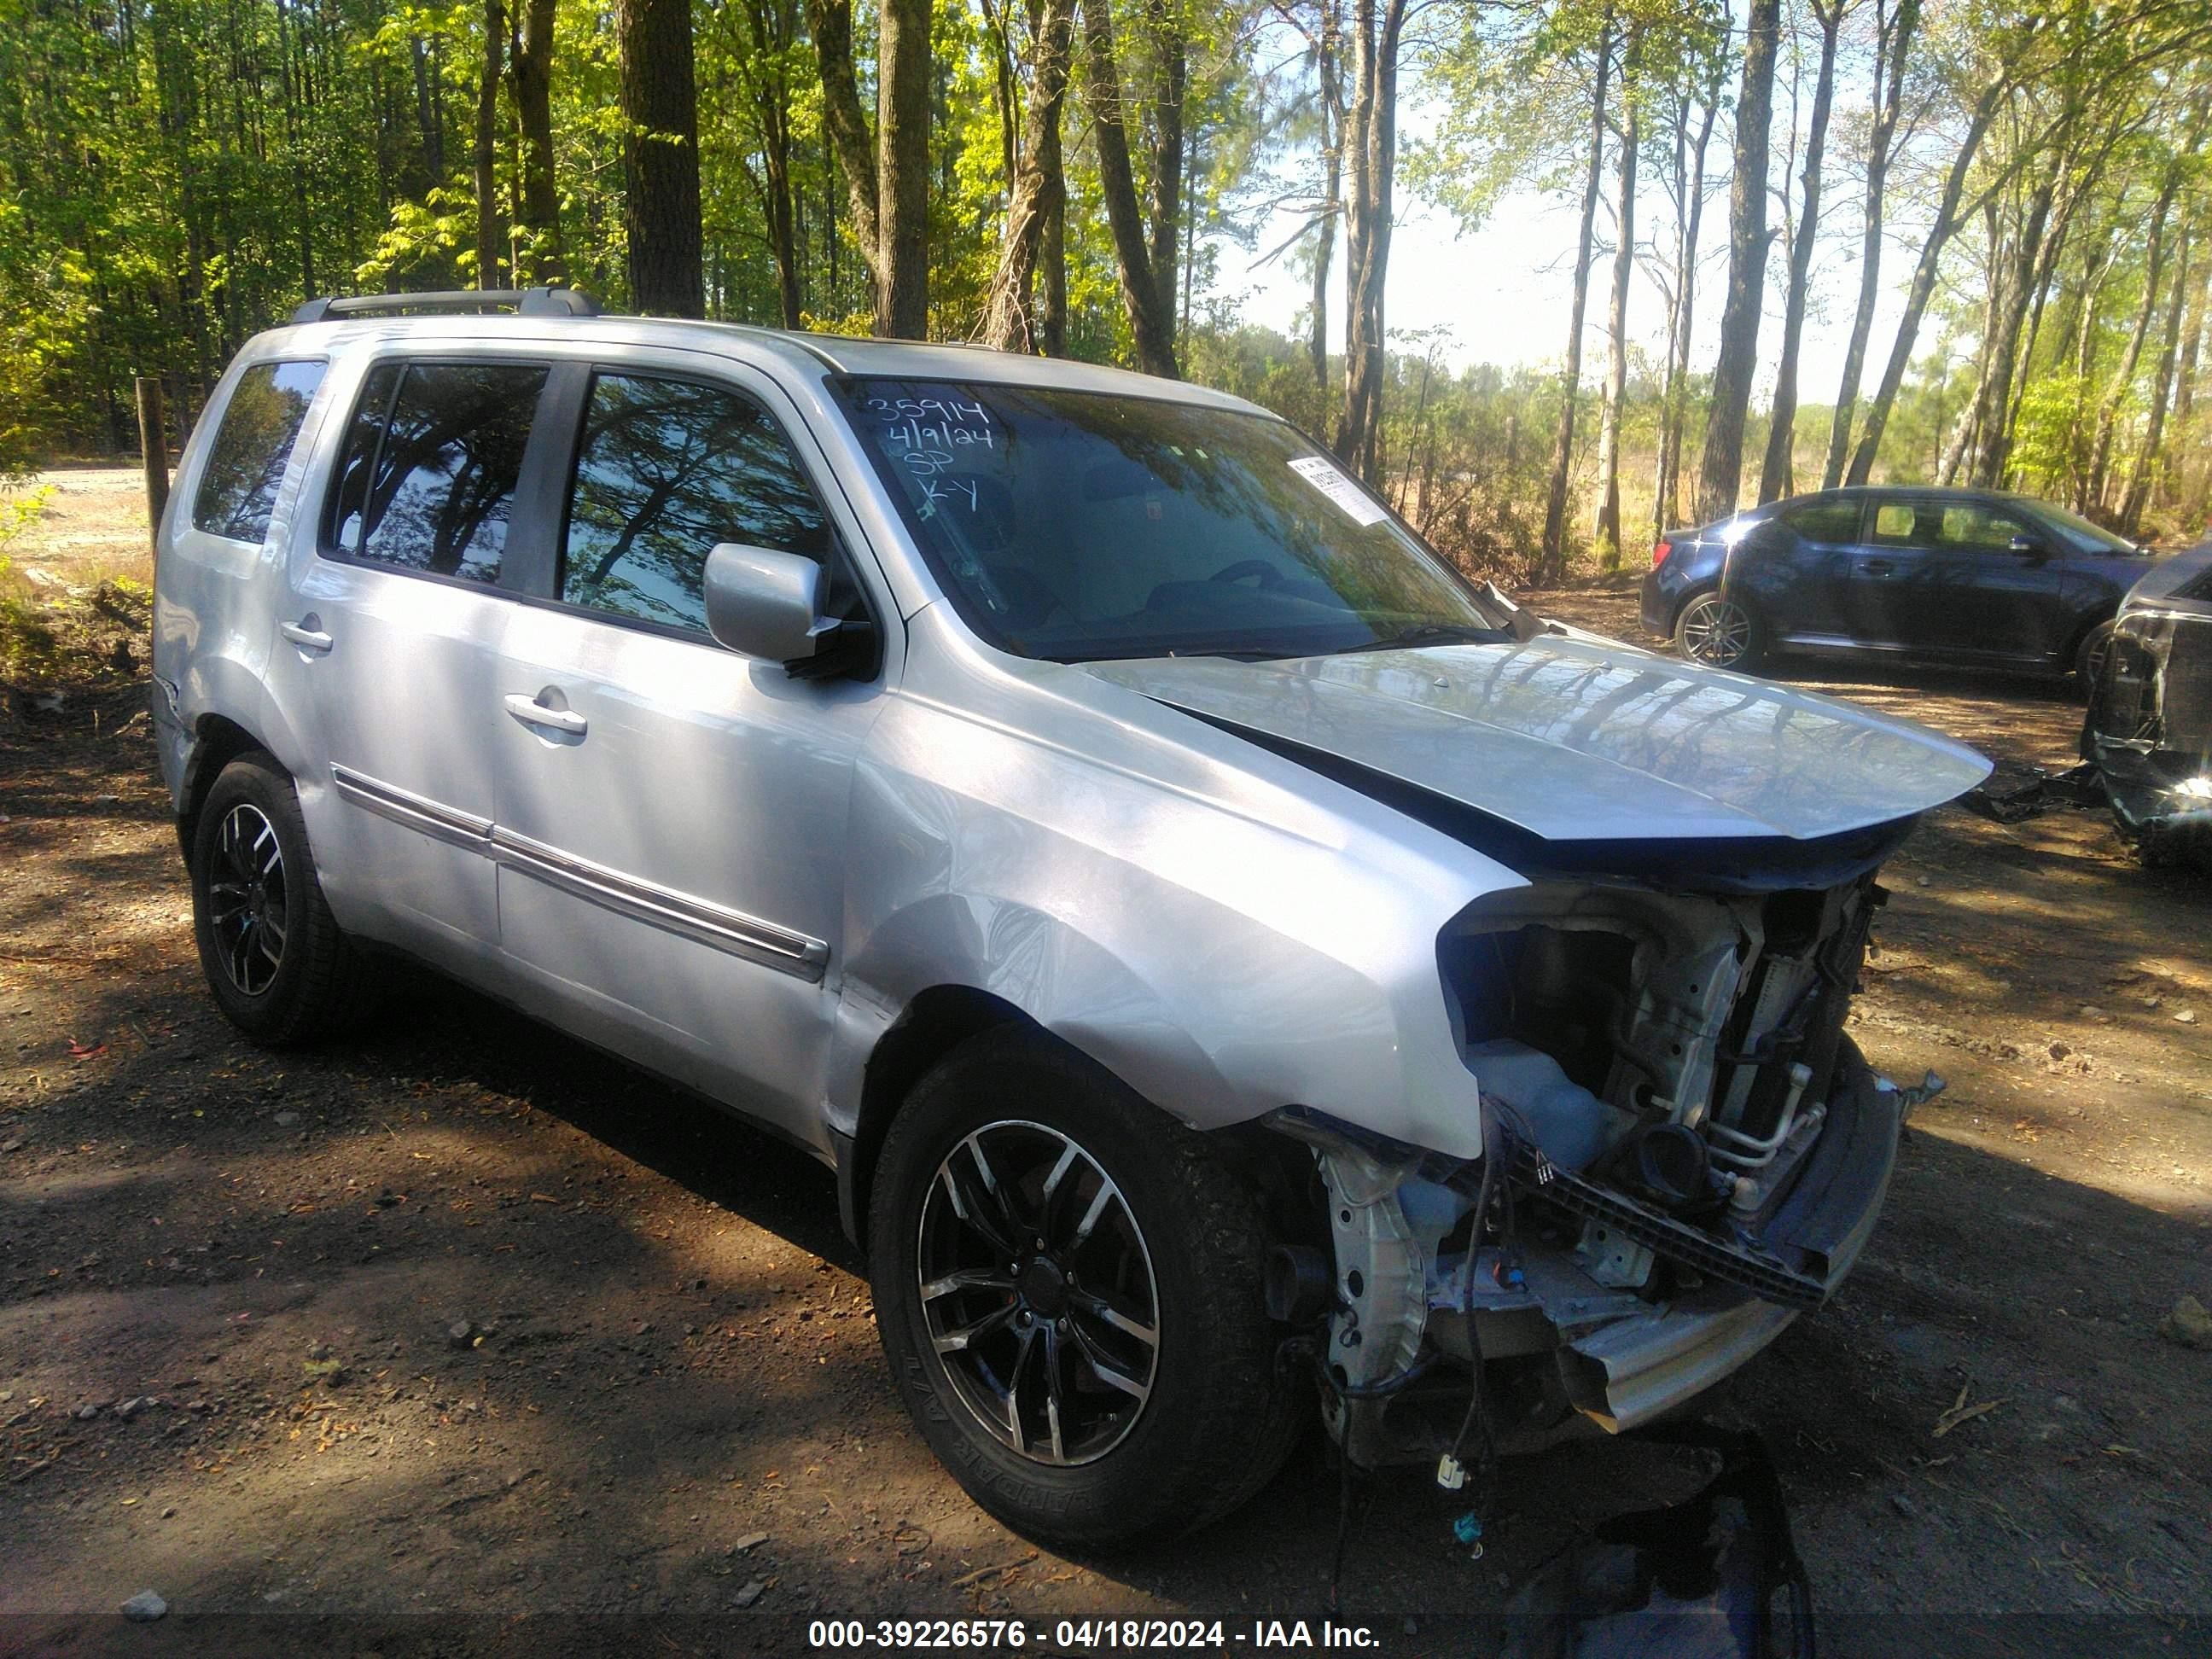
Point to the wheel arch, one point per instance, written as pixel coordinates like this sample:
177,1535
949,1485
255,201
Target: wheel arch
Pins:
934,1022
2089,624
217,740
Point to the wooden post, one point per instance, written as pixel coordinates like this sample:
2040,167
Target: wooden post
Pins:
154,447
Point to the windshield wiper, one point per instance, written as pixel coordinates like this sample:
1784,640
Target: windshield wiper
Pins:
1433,634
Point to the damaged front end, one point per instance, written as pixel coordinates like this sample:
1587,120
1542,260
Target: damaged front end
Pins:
1682,1152
2149,726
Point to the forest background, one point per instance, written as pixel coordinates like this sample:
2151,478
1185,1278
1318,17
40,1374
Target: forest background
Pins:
1990,221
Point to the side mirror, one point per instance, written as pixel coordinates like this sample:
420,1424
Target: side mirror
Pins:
2027,548
765,604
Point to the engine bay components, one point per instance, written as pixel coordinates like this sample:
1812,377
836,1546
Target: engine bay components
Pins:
1687,1154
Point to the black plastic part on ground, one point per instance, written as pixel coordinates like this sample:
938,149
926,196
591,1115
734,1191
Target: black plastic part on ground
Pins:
1717,1577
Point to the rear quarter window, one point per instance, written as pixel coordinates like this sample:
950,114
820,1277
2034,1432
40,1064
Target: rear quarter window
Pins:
246,463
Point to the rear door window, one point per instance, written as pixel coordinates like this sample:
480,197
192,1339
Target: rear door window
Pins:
1825,521
246,463
1902,522
668,469
428,479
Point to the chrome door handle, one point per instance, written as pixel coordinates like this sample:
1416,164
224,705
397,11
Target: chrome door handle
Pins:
531,712
1877,566
307,638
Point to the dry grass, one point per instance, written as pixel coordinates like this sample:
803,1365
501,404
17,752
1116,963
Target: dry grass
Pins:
75,580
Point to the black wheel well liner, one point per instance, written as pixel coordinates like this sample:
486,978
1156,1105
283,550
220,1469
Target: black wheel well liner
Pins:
935,1023
216,742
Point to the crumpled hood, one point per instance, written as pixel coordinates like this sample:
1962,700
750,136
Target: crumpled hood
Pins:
1579,739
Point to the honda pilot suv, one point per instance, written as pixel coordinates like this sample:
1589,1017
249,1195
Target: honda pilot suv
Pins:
1229,960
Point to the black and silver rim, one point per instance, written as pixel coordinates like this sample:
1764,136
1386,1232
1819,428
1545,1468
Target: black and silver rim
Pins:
245,899
1716,632
1037,1291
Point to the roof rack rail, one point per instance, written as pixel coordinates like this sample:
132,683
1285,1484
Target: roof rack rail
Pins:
525,302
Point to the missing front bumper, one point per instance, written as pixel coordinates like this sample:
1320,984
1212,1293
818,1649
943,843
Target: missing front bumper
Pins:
1574,1347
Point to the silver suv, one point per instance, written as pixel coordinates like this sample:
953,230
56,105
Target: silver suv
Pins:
1227,958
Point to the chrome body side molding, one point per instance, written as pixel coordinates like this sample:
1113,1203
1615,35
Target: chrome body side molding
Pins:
681,913
418,812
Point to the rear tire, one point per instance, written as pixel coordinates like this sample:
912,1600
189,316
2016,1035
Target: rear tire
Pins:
996,1372
1717,631
279,966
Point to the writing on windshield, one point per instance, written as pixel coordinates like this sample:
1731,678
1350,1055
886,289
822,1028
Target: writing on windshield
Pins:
1079,525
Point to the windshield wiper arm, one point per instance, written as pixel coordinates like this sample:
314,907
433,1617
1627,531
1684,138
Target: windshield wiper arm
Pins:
1435,634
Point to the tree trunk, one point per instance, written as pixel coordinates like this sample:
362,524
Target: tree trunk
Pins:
2139,481
1722,469
2124,377
783,237
998,25
1552,559
1607,526
2046,267
1665,505
2192,341
2117,391
1143,295
1372,148
660,157
1171,76
1778,475
1924,284
1993,400
2191,475
1034,193
1967,428
760,53
1052,260
831,21
491,229
1328,70
902,169
429,113
538,212
1894,43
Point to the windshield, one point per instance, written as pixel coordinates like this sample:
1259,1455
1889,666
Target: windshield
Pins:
1080,525
2078,533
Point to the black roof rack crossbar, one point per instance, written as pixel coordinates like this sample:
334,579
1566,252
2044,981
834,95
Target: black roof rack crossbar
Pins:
526,302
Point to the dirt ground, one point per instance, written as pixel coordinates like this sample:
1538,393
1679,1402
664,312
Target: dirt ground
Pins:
460,1337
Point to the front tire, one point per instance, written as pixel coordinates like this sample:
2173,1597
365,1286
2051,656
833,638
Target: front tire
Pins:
2089,659
1067,1285
1719,632
276,960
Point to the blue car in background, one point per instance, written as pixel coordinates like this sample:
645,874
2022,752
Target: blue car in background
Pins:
1943,577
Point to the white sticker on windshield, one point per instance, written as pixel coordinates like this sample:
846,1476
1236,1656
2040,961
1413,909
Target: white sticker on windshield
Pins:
1357,507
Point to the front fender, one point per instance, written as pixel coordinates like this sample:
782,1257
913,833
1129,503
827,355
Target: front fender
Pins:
1225,931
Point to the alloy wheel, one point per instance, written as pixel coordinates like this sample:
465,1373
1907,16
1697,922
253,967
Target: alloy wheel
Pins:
1037,1291
245,899
1716,632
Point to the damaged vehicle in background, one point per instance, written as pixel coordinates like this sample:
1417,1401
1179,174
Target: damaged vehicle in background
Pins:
2149,729
1219,951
